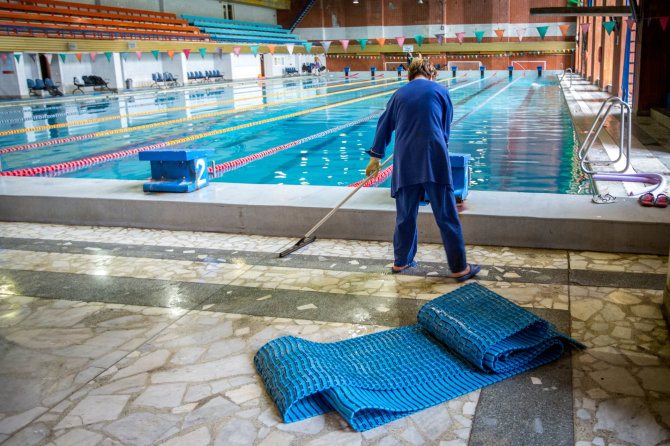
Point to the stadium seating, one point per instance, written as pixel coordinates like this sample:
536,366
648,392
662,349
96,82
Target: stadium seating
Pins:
223,30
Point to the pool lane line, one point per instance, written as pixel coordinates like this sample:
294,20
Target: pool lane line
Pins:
384,174
122,154
150,112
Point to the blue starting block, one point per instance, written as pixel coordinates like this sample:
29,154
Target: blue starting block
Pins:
460,175
177,170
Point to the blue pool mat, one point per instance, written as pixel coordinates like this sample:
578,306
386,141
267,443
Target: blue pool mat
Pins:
464,340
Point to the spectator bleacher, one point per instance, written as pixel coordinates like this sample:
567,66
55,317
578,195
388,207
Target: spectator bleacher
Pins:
52,18
223,30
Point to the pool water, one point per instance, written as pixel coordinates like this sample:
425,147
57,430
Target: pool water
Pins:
518,131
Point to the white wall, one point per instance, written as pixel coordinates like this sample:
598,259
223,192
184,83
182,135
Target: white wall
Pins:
246,66
248,13
140,70
205,8
31,67
13,77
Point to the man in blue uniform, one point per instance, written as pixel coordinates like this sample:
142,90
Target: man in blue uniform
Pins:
420,113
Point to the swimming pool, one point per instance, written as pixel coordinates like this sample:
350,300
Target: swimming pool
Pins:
518,132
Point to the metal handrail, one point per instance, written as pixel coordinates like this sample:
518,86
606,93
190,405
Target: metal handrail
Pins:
624,133
564,73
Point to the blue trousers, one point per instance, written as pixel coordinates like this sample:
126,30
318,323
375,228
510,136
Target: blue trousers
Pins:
443,203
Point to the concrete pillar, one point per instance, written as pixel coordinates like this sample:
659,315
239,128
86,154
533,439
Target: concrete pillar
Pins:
13,78
115,73
666,294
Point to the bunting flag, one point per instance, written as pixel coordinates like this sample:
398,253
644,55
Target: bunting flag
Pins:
78,56
109,56
92,56
585,27
630,23
186,52
542,30
63,56
564,29
664,21
419,40
440,38
139,55
271,48
202,52
326,45
345,43
219,52
609,26
308,47
254,49
380,41
362,42
3,56
460,36
124,55
171,54
18,57
155,53
499,33
400,40
33,57
289,47
236,50
54,58
479,35
520,32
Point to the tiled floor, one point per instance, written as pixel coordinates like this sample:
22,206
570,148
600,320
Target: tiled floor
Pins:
115,336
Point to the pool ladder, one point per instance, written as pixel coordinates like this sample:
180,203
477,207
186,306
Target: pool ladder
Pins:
560,82
624,149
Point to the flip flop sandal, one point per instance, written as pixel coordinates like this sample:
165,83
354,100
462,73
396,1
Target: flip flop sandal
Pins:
409,265
474,269
661,201
647,199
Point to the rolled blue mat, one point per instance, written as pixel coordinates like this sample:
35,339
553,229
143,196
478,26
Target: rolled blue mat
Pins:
464,340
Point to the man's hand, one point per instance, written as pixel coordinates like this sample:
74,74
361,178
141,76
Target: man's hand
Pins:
373,167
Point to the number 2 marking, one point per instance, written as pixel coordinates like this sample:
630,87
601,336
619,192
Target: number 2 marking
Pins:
200,171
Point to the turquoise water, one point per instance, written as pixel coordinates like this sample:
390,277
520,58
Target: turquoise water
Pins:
518,132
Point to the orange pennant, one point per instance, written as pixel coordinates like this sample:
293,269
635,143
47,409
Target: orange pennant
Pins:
381,41
170,53
271,48
564,28
499,33
78,56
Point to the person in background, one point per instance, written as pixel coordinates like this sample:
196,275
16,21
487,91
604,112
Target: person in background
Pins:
420,113
409,59
317,64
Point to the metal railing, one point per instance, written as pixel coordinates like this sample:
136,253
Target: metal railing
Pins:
562,76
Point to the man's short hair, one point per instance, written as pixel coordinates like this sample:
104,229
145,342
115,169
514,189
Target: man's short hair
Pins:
421,67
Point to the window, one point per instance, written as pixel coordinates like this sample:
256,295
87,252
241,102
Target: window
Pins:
227,11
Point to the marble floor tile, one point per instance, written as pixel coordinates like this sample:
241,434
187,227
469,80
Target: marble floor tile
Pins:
604,261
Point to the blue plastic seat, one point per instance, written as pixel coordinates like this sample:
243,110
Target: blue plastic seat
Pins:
200,75
49,83
31,84
159,78
39,84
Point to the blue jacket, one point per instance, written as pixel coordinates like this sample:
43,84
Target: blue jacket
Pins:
421,114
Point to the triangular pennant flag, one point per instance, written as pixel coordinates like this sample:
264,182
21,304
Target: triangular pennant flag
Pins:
219,52
271,48
380,41
326,44
585,27
3,56
138,54
460,36
362,42
236,50
63,56
109,56
400,40
419,39
170,53
564,29
33,57
440,38
78,56
155,53
499,33
664,21
542,30
54,58
308,46
520,32
92,56
630,23
289,47
186,52
18,57
254,49
479,35
202,52
609,26
345,43
124,55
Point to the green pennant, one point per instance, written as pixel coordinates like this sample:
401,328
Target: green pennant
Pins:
155,53
202,52
479,35
419,40
63,56
542,30
124,55
308,46
363,42
254,49
609,26
18,57
109,56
